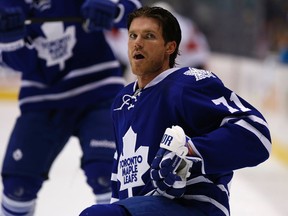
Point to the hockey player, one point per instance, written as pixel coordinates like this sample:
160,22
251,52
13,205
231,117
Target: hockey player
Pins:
69,78
180,133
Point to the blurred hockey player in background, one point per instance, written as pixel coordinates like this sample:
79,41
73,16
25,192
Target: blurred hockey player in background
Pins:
69,77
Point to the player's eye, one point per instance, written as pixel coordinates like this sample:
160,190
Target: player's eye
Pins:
132,36
150,36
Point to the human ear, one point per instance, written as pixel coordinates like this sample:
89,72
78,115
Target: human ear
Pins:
170,47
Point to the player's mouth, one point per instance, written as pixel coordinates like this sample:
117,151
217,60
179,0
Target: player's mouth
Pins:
138,56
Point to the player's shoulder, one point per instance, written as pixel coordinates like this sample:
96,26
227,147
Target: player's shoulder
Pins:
196,76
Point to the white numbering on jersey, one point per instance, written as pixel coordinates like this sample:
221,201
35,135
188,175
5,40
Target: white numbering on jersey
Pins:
235,100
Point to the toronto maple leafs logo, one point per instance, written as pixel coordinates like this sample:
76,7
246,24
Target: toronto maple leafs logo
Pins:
57,45
132,163
199,74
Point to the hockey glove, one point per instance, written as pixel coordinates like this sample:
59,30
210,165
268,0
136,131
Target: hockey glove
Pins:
99,14
170,168
12,27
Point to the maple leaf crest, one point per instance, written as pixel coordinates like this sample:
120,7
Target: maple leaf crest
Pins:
132,163
57,45
199,74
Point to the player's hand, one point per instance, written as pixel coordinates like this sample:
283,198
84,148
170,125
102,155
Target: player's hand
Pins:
170,168
12,27
99,14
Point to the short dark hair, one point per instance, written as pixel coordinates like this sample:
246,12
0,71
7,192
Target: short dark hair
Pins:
170,26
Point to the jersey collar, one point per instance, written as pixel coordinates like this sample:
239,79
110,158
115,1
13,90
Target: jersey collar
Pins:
157,79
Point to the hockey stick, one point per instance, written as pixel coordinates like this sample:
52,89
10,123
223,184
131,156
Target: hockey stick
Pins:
39,20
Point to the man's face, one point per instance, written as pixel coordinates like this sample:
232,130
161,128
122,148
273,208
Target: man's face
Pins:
147,50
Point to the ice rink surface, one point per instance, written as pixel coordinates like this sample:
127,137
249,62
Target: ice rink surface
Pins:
257,191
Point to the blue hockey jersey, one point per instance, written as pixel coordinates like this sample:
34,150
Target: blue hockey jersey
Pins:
226,131
61,64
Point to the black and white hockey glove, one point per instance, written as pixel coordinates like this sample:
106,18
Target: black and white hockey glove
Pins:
170,168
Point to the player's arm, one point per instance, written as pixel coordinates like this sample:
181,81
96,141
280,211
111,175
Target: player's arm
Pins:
238,142
226,131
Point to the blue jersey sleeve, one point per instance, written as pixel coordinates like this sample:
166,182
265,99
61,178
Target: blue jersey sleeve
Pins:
227,132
